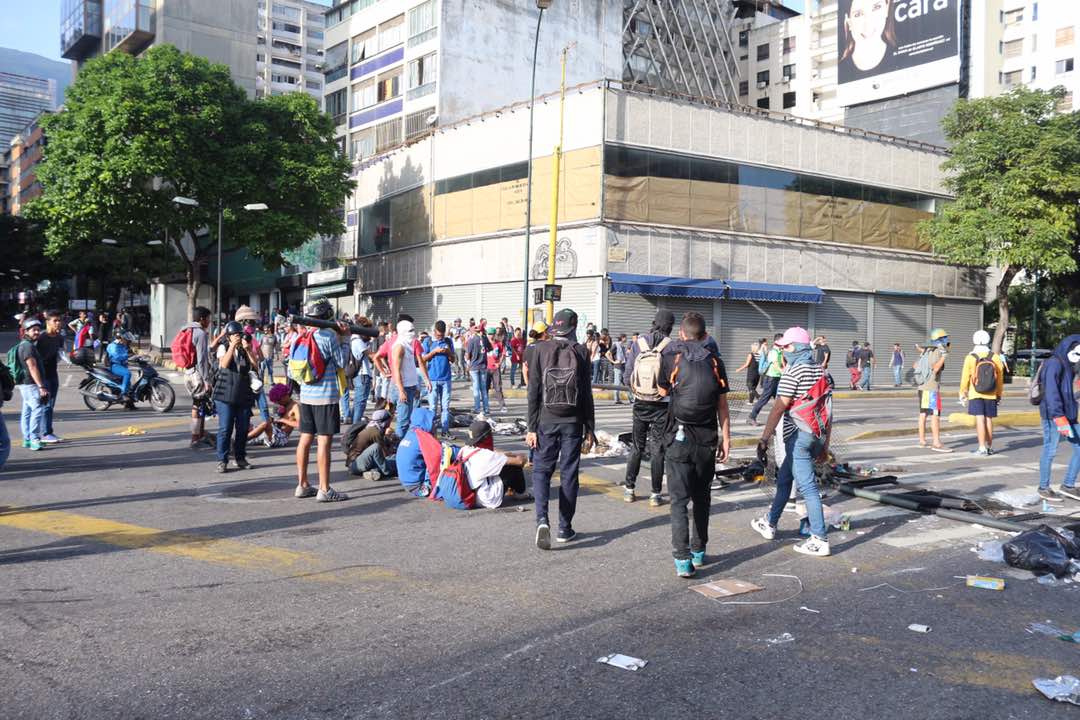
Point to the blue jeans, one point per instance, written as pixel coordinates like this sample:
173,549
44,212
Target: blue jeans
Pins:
768,392
403,407
595,372
898,374
440,393
480,390
264,407
343,405
33,409
266,370
361,392
373,459
235,421
125,377
1051,439
798,466
617,379
5,444
561,443
514,368
864,381
53,384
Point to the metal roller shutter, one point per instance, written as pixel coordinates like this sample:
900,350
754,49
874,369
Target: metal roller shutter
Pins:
500,300
897,319
959,318
743,322
420,303
582,295
841,318
630,313
378,307
457,301
681,306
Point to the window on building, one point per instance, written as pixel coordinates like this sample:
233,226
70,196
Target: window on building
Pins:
362,144
392,33
286,13
422,74
1065,104
416,123
1014,48
763,103
1034,43
763,78
388,86
287,79
259,57
1063,66
315,34
1064,37
335,105
313,84
422,23
364,95
789,72
744,87
744,38
1014,77
1012,17
1033,69
789,100
387,134
336,61
280,62
364,46
286,27
763,51
789,44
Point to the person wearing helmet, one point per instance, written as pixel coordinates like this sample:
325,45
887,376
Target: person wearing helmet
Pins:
928,369
982,383
118,353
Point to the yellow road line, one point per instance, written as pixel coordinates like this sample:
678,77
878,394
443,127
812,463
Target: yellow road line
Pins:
102,432
202,548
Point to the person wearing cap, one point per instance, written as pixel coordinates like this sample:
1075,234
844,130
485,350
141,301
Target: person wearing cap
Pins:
930,390
561,415
983,406
407,366
801,447
233,396
369,453
494,475
319,407
649,415
118,353
34,391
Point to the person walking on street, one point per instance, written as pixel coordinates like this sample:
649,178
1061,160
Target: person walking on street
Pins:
982,383
517,350
476,358
197,377
928,369
560,414
650,407
696,437
319,407
750,365
592,344
49,345
439,357
897,365
537,333
233,395
822,352
29,376
802,445
495,356
773,371
851,362
268,347
867,364
1058,413
618,365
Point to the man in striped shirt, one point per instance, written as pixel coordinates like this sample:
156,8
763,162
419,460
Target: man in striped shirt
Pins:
800,373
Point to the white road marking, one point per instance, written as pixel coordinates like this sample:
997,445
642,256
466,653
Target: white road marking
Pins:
943,536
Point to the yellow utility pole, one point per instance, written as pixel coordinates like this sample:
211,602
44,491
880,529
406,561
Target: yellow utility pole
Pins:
556,162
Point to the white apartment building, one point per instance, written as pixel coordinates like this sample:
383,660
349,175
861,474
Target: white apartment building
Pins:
1025,42
289,53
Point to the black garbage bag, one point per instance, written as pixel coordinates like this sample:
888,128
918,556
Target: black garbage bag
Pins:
1042,550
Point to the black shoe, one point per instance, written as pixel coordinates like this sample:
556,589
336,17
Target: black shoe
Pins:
565,535
222,467
244,465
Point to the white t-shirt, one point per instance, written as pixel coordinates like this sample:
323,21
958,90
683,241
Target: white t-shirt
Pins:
359,347
482,468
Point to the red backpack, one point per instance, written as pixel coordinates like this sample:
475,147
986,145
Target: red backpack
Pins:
453,486
183,349
812,412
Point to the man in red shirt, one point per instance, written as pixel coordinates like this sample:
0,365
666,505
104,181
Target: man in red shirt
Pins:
517,351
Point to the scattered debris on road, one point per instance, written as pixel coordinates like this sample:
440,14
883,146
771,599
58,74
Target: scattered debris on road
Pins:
986,583
624,662
915,627
780,639
1042,550
725,588
1063,688
132,430
1019,498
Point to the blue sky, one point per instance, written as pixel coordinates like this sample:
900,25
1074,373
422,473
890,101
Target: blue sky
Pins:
31,25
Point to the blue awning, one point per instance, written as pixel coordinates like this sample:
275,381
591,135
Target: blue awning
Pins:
664,286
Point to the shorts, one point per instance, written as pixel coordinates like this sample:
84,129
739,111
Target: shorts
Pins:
982,406
320,419
930,402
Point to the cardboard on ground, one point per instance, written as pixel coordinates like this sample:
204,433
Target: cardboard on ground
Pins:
725,588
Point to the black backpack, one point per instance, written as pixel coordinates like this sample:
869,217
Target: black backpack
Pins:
984,377
695,390
352,365
560,389
7,383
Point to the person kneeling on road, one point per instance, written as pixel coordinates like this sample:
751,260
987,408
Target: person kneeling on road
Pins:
492,474
368,452
419,454
696,437
799,385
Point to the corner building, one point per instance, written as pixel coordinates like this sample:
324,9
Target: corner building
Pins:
753,219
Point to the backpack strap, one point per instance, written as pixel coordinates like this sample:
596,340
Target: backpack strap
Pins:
662,344
643,344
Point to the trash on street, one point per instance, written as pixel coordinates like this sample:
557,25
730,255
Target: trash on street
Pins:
1063,688
1042,550
915,627
986,583
623,661
725,588
781,639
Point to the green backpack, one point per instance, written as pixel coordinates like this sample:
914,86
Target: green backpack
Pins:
17,372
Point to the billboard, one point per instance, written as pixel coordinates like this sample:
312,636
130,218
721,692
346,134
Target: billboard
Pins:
887,48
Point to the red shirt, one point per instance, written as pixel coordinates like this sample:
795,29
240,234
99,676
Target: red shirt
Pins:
517,347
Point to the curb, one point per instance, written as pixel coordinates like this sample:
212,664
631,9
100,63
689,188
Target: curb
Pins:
1028,418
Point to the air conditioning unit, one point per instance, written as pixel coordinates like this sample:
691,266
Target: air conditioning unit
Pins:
762,85
787,79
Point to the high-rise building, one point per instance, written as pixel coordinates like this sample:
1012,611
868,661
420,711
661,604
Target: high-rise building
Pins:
23,154
289,56
22,98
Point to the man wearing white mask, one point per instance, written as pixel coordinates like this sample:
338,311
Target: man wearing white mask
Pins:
982,383
405,363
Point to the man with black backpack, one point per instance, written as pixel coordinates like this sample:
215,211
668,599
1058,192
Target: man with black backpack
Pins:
650,406
561,414
697,435
982,383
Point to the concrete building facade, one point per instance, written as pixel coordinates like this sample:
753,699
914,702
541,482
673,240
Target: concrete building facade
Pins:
23,154
758,221
289,56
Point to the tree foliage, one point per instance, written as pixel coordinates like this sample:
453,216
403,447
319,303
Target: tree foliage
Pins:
1014,169
136,132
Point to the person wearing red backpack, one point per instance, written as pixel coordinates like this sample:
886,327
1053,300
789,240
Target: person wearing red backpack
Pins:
982,383
191,353
798,381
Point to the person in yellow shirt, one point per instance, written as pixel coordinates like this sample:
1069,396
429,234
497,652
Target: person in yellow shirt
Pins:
982,390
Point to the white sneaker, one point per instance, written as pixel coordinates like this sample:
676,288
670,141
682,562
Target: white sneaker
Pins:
762,527
818,547
304,491
51,439
331,495
372,475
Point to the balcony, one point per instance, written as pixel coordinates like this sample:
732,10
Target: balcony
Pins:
80,28
129,25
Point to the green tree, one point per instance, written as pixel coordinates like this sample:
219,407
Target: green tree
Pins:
1014,169
137,132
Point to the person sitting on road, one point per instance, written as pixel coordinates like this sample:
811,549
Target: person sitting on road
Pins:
419,454
494,475
276,432
118,353
368,451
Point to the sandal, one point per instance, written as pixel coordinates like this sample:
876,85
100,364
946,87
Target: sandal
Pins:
941,449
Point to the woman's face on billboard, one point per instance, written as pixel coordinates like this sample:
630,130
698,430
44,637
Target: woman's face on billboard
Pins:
866,20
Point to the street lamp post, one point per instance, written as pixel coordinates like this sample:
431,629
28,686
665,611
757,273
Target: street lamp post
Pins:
542,5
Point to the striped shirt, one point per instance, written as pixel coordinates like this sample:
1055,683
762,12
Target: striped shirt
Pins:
795,382
325,392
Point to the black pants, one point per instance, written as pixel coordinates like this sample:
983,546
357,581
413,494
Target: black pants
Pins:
768,392
753,377
690,470
561,443
649,421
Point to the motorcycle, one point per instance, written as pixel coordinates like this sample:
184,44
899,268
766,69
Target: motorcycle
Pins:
101,388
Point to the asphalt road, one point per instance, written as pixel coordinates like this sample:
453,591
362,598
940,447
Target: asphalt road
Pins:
136,583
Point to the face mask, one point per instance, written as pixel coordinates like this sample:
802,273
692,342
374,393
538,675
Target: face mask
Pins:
408,337
1074,354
